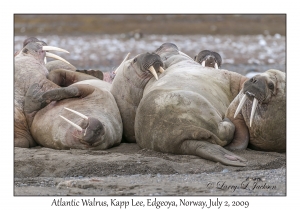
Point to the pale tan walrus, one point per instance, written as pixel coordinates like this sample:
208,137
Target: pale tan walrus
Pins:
42,107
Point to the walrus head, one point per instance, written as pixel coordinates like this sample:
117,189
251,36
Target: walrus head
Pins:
150,63
260,89
167,47
209,58
89,132
145,62
39,51
33,39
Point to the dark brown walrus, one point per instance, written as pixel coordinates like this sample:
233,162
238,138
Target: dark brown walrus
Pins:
39,102
259,113
209,58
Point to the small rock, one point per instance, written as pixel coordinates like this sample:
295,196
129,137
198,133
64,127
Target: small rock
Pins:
225,170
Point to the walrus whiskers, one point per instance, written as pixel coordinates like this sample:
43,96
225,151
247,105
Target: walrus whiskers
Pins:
77,137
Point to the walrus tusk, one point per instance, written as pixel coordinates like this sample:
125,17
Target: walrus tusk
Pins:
152,70
122,63
49,48
51,55
241,104
203,63
254,105
45,60
78,113
73,124
216,66
161,70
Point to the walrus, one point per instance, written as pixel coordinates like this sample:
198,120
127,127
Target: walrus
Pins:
89,121
58,64
182,109
183,112
33,39
38,101
209,58
259,113
36,40
61,63
29,69
128,85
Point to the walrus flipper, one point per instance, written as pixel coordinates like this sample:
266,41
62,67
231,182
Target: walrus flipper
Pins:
33,102
37,99
64,78
212,152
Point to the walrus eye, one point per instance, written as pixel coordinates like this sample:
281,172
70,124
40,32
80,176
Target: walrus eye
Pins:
271,86
134,60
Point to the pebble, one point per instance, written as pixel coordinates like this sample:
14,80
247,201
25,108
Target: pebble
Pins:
225,170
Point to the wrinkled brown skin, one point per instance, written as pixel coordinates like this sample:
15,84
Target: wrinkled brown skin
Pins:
183,112
97,103
268,130
127,88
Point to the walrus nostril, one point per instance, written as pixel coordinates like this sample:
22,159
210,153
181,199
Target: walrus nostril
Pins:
253,80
